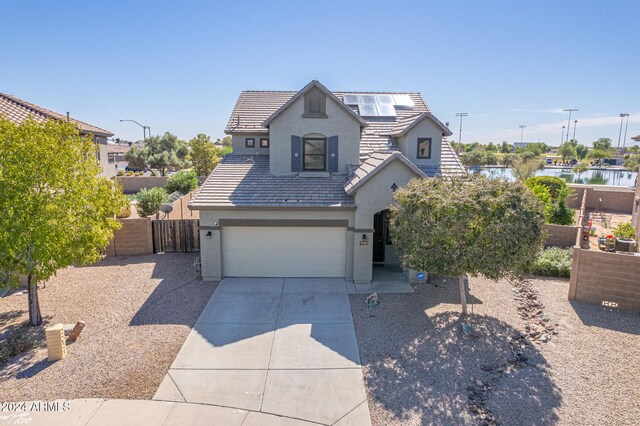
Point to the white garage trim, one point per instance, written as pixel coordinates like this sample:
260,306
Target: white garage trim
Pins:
252,251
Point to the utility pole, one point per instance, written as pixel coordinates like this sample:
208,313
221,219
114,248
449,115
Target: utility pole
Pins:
522,127
570,110
460,114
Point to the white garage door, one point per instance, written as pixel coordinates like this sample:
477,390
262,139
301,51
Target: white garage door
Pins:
283,252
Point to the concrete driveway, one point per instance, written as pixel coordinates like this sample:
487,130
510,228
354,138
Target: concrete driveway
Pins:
274,347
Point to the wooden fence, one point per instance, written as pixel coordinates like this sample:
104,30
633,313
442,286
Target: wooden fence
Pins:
170,236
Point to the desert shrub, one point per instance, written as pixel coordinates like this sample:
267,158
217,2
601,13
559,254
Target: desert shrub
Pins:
182,182
120,173
149,200
124,212
139,174
19,340
625,230
129,174
554,262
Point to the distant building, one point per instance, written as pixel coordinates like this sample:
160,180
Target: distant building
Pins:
18,110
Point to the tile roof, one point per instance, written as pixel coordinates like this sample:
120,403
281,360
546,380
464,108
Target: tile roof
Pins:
244,181
327,92
18,110
405,124
254,107
450,164
375,162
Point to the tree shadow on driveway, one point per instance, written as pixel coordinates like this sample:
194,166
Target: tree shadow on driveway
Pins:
418,367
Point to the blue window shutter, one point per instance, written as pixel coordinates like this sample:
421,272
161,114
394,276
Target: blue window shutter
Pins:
333,153
296,153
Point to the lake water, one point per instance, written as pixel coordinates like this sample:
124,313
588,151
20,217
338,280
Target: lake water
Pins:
591,177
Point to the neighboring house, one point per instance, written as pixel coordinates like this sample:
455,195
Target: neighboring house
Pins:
18,110
306,191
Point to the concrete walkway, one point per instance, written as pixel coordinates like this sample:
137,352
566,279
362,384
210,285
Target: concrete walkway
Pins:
273,351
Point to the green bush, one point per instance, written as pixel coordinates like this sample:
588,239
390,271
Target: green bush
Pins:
120,173
182,182
625,230
557,186
554,262
559,213
149,200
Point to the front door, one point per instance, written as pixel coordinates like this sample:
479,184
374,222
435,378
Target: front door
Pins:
379,232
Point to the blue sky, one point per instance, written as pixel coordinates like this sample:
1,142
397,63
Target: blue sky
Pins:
179,66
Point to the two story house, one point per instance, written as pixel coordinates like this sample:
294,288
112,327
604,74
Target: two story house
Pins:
17,110
306,190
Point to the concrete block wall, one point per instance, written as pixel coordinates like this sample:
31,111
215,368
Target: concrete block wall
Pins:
181,209
133,184
615,199
606,279
134,238
560,235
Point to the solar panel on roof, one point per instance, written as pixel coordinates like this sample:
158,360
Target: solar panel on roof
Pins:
385,106
403,101
386,110
368,99
368,110
351,99
385,99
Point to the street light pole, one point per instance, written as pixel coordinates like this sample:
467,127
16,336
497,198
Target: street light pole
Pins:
622,116
562,137
575,124
625,132
144,128
522,127
570,110
460,114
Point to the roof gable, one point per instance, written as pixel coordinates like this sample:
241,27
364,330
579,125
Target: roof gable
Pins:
305,89
405,125
373,165
17,110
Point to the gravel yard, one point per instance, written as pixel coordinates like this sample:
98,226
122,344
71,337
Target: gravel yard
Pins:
138,312
420,370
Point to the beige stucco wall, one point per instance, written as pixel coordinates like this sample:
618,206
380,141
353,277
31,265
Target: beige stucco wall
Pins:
238,144
290,122
375,195
211,248
409,143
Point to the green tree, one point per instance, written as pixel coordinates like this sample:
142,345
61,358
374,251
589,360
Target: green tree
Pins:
472,158
632,163
508,159
603,144
205,156
567,150
491,147
56,208
160,153
523,169
580,168
476,225
226,141
597,154
581,152
182,182
505,148
149,201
